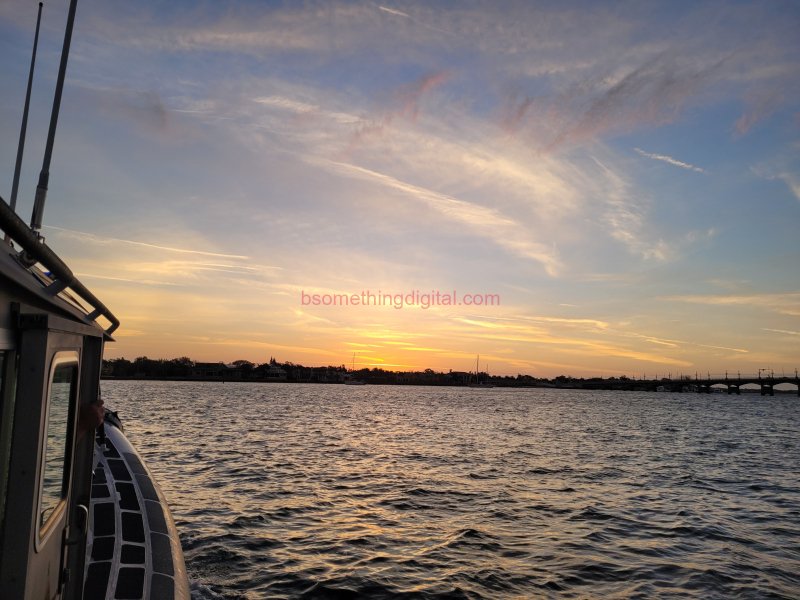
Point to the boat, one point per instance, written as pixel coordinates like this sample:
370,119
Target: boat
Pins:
349,377
478,383
80,513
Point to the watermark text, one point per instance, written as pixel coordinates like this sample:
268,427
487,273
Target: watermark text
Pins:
399,300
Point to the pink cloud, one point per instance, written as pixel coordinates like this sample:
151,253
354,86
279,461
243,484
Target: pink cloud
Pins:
760,106
406,105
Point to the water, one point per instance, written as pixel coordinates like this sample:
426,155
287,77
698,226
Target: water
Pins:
326,491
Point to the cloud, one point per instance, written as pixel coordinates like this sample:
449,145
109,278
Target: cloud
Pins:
513,113
625,217
287,103
405,104
779,169
784,303
238,30
583,347
670,160
672,343
651,94
351,141
309,111
423,22
761,105
409,96
392,11
793,183
109,240
594,323
144,107
785,331
483,221
558,195
126,280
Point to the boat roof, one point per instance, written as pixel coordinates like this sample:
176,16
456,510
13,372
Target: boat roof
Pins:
35,275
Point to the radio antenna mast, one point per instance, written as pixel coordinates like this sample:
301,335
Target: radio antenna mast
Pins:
24,127
44,175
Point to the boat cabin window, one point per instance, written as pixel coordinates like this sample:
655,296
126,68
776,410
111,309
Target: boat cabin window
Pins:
60,396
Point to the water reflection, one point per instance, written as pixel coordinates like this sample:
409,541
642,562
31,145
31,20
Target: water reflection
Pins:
283,489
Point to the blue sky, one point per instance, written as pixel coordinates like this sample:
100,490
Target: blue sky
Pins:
625,176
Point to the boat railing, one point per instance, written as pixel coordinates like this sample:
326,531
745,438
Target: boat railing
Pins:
62,277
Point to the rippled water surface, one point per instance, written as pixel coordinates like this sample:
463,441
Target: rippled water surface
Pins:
326,491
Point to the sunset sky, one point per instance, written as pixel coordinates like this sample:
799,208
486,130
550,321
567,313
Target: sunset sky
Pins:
625,177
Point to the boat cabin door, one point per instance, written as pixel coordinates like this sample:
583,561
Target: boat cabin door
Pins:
43,532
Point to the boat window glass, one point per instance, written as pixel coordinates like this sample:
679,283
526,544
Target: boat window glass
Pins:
62,390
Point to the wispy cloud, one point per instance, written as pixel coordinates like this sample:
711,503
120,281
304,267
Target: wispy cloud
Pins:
784,331
625,217
760,105
303,108
785,303
127,280
109,240
287,103
652,93
670,160
585,347
780,170
594,323
421,22
405,104
393,11
793,182
146,108
483,221
672,343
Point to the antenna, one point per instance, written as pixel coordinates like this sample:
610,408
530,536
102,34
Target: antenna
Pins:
44,175
24,127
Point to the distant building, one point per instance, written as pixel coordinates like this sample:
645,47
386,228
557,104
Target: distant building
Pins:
274,373
460,377
209,370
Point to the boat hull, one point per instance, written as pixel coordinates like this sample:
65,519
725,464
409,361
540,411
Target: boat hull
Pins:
133,549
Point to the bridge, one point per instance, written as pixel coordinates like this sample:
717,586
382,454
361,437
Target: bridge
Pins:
732,385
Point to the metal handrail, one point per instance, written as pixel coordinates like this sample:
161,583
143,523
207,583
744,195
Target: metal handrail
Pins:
33,245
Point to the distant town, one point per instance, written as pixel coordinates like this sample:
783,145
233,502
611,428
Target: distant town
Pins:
186,369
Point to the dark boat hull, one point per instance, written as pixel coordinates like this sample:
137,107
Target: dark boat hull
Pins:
133,549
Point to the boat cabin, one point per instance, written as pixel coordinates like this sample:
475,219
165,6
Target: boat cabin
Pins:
51,347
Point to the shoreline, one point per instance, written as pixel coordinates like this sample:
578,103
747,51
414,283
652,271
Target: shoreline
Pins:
603,385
